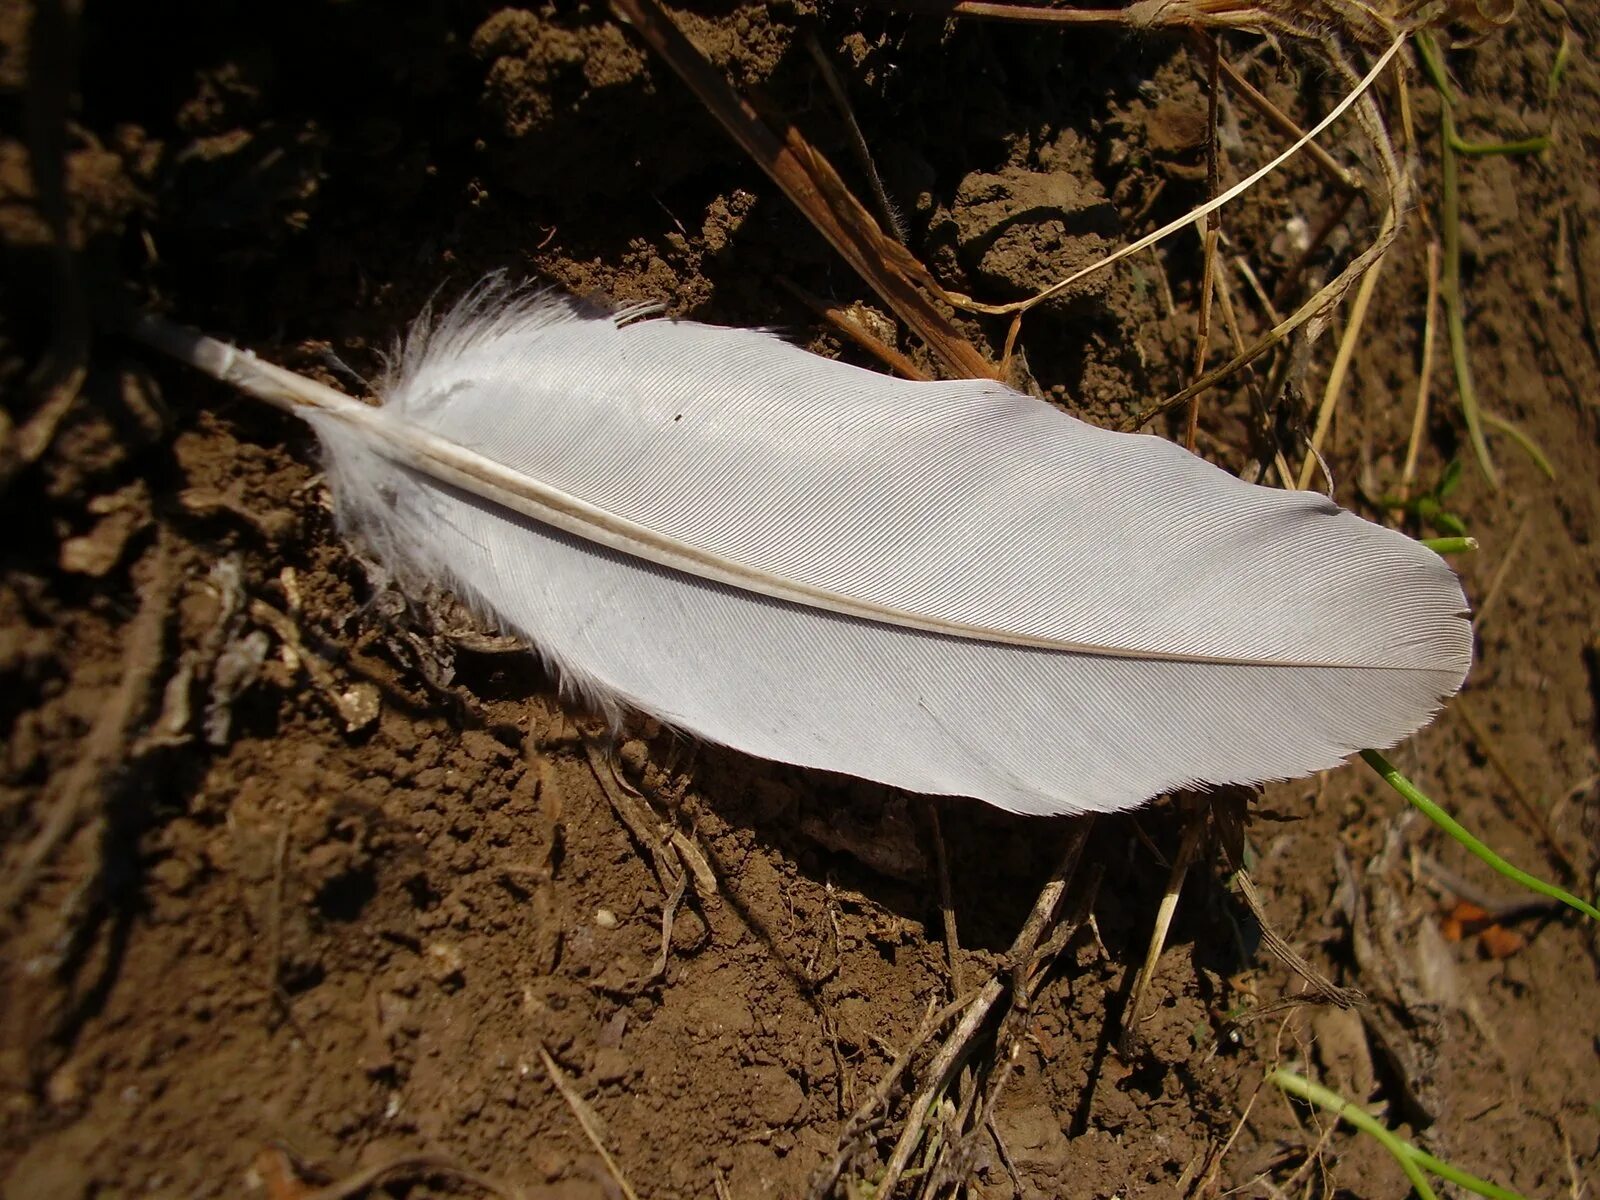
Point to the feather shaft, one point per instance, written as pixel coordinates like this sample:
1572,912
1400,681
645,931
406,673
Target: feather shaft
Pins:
457,466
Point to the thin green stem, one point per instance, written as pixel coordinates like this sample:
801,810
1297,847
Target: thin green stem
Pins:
1358,1117
1433,67
1537,144
1451,545
1450,290
1450,825
1516,434
1462,1178
1412,1161
1558,69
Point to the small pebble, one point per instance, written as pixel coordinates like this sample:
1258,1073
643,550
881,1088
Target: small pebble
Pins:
605,918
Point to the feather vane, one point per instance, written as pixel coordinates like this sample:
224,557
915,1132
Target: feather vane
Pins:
948,587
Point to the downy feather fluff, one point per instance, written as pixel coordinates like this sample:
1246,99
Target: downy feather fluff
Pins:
948,587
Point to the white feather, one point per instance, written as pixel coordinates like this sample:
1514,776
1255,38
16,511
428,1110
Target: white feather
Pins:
948,587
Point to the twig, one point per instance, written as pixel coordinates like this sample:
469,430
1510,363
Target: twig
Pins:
816,189
939,1073
587,1121
1024,962
1024,954
863,1117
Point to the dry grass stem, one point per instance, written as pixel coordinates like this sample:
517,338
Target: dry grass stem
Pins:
858,141
1334,388
1356,20
807,178
1210,233
1491,594
861,1121
1419,418
1278,946
939,1074
947,911
636,815
1250,277
1194,828
1306,314
1289,281
844,321
1351,99
1286,125
280,863
588,1122
1025,960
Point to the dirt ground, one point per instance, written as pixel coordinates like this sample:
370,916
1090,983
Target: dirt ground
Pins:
301,876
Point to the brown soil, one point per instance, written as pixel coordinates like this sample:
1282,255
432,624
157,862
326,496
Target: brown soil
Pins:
304,920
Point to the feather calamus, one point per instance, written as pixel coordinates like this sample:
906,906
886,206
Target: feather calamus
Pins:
948,587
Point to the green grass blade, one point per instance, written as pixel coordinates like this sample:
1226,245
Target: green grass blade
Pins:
1450,292
1537,144
1451,545
1412,1161
1462,1178
1446,822
1516,434
1433,67
1341,1108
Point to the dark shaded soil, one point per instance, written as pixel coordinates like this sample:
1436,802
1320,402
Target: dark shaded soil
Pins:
267,933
